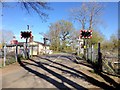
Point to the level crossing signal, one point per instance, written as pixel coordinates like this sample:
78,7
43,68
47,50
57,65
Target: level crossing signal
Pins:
26,34
86,34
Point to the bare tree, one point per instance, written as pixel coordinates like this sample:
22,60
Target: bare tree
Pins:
95,10
80,14
38,7
6,36
87,14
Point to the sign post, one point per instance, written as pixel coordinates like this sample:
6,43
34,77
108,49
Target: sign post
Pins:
86,34
26,35
27,55
92,52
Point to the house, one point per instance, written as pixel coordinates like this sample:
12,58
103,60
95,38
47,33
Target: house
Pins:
12,47
34,47
37,48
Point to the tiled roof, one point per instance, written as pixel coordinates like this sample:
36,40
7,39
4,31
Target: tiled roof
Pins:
22,43
39,42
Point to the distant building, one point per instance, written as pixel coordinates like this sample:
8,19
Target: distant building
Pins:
14,41
37,47
34,47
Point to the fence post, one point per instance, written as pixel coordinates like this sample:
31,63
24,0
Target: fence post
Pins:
99,58
4,55
84,43
16,53
92,52
87,46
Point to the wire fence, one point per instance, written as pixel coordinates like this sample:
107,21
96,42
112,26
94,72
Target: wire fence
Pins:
10,54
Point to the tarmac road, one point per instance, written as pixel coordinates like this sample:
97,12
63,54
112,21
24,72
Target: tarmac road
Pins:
52,71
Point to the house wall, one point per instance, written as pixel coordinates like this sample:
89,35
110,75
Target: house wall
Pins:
38,48
20,49
33,43
35,48
41,48
47,47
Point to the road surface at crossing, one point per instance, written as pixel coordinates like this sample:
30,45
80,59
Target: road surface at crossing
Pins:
54,71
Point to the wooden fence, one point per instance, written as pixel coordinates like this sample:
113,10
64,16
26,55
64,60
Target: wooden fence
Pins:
103,62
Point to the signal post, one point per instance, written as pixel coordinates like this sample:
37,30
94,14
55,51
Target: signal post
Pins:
85,35
26,35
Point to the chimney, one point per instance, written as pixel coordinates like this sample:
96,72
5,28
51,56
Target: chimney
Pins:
31,39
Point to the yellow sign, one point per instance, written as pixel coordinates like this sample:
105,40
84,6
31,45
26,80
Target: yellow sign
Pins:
0,46
84,47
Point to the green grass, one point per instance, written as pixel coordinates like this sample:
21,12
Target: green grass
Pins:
0,65
81,55
8,62
92,71
54,52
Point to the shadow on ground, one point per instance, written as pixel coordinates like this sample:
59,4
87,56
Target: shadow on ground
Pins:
91,80
110,80
69,70
70,57
49,79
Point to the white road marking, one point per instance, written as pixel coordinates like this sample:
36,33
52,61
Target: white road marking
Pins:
54,60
